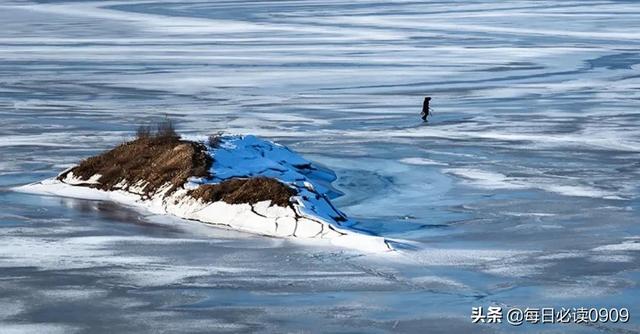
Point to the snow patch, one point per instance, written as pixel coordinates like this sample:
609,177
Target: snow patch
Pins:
422,162
495,180
624,246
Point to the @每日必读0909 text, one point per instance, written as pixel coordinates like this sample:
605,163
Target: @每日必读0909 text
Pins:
548,315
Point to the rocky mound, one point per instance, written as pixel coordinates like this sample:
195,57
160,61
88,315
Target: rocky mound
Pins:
239,182
163,162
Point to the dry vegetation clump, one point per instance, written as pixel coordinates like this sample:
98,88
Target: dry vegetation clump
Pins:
155,158
144,131
238,191
215,139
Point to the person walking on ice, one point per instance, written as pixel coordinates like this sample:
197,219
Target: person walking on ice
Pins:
425,109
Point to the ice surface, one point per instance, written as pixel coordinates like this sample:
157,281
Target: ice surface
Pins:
533,201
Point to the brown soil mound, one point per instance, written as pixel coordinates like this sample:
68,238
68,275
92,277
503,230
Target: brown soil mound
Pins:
238,191
157,160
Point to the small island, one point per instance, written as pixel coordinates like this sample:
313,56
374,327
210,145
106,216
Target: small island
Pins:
238,182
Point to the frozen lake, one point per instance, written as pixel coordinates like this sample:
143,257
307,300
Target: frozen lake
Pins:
522,191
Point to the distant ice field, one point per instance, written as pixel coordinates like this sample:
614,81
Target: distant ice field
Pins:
522,190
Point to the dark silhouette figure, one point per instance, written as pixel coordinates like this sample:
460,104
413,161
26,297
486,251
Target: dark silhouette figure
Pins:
425,109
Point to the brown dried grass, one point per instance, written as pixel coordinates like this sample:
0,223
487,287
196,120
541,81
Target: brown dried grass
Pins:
238,191
157,160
